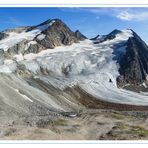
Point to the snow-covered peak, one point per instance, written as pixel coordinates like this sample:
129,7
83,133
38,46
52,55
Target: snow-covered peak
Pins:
50,30
116,32
124,35
119,37
45,26
16,37
113,37
127,32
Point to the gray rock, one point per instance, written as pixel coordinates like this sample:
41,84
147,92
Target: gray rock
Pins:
18,48
34,48
134,64
80,36
58,34
3,35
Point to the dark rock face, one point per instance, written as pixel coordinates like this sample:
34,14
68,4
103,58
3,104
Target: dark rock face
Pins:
3,35
134,64
95,38
80,36
112,35
58,34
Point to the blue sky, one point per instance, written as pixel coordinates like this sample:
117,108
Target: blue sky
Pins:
90,21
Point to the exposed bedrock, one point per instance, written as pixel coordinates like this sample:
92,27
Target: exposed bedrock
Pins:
134,64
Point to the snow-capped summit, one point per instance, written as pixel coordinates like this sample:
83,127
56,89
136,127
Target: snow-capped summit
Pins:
43,26
131,53
134,64
48,34
113,35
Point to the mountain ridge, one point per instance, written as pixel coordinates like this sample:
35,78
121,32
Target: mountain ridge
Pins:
49,34
68,58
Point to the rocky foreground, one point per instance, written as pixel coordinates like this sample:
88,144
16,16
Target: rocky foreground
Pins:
87,125
70,114
28,113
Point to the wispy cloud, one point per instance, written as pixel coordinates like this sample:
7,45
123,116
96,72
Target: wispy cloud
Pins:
126,14
130,16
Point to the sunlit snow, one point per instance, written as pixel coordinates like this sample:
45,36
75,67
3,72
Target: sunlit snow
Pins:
90,66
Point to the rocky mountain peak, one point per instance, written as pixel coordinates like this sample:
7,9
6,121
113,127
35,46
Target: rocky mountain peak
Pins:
96,37
102,38
134,64
79,35
115,32
47,35
43,26
112,35
131,53
56,34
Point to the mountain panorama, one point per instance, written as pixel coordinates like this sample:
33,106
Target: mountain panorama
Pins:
49,71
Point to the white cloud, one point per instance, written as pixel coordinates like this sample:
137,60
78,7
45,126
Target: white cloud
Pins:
130,16
127,14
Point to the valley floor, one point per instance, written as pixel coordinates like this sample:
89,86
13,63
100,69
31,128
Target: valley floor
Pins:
88,125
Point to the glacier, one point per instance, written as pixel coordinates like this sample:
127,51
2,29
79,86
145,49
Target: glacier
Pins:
92,67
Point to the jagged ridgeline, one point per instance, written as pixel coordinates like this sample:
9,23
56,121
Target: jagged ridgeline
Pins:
33,39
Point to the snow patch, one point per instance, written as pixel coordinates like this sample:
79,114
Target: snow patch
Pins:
19,57
5,69
46,26
8,62
41,36
15,38
30,43
145,85
24,96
